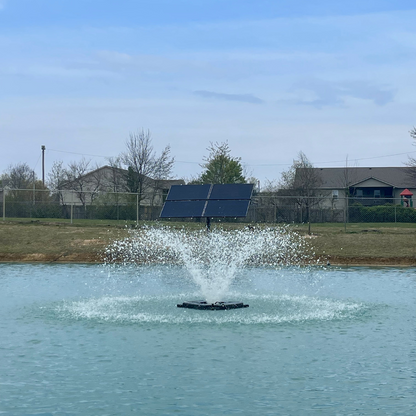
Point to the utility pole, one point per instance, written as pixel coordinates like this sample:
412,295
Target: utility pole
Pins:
43,164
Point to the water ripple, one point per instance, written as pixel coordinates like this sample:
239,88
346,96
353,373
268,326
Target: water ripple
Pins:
275,309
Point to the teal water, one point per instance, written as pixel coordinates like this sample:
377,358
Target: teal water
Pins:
95,340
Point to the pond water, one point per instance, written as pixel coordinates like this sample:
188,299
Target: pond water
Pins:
109,340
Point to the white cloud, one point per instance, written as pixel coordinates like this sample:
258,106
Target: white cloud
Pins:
244,98
114,57
48,71
150,63
322,93
330,87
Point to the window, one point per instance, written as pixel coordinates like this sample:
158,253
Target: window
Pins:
377,193
359,193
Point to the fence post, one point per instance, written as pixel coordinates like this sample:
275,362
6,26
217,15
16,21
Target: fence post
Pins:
346,212
137,209
395,213
4,204
72,206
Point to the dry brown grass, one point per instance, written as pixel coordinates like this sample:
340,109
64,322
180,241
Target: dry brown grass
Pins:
39,241
366,244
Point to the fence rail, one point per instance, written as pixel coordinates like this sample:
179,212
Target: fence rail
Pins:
18,203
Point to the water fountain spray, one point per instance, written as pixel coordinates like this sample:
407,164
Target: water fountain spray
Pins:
211,259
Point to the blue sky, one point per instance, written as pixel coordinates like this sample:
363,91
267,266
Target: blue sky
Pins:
333,79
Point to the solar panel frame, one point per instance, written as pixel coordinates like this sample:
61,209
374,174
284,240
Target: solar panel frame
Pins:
207,201
226,208
234,191
188,192
183,209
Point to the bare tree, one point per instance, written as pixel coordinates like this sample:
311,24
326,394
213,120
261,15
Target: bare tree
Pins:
145,169
117,181
56,178
83,180
301,177
411,163
307,178
271,186
301,181
163,166
413,133
117,178
268,200
75,178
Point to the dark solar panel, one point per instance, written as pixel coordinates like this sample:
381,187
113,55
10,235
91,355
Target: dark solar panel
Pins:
182,209
232,191
188,192
226,208
188,201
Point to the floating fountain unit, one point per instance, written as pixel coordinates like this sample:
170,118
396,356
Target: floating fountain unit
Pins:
208,201
216,306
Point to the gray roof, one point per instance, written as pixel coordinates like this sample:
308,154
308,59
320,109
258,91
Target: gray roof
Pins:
336,178
122,173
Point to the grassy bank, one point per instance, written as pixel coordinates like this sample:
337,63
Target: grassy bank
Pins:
84,241
368,243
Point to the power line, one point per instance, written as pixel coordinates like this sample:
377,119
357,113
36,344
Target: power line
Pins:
36,164
333,161
79,154
248,164
372,157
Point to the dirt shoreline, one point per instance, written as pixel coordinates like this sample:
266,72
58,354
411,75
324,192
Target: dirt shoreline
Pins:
98,258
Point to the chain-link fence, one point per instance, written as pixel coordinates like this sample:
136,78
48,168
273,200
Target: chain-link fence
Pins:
74,205
299,209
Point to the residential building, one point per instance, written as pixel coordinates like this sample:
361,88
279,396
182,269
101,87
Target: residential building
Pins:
109,180
365,185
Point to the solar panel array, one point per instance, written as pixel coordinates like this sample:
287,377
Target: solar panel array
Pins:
210,201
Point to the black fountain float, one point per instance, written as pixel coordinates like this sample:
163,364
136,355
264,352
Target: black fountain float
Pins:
208,201
217,306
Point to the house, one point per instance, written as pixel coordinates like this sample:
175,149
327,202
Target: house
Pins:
367,186
328,194
107,180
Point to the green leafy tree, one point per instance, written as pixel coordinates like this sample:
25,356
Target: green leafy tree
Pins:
132,181
25,195
220,167
19,176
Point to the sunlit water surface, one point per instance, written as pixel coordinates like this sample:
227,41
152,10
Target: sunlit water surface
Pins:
109,340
